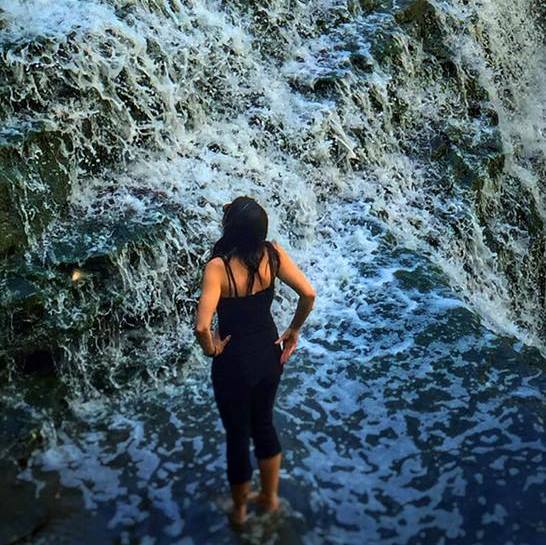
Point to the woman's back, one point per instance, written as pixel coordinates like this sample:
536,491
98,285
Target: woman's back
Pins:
247,318
251,353
237,274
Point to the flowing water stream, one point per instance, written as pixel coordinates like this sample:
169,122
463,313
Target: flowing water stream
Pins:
399,149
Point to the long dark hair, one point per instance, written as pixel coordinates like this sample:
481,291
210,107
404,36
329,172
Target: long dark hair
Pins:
244,235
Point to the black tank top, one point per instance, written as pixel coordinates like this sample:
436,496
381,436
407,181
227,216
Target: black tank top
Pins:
250,353
245,317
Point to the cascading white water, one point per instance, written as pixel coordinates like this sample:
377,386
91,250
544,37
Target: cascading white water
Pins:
502,46
301,106
398,147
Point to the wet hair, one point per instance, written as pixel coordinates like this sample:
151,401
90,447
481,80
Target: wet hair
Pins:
244,235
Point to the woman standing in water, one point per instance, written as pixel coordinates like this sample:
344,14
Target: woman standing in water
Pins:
248,359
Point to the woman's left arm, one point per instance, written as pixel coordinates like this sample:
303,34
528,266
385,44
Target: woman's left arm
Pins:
206,307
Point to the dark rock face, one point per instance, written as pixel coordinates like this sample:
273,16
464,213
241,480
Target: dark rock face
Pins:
21,434
410,11
12,234
80,273
34,185
422,21
468,161
22,513
24,430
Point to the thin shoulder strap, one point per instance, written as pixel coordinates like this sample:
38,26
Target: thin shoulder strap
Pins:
231,279
272,271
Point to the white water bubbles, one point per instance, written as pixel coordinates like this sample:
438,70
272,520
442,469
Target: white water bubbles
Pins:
29,20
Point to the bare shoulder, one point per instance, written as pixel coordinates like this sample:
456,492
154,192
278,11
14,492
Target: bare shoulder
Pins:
280,250
214,266
215,262
291,274
278,246
284,256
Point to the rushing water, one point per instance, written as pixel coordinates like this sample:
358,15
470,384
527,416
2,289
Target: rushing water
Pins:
413,412
402,418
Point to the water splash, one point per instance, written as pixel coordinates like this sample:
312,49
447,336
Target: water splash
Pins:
167,111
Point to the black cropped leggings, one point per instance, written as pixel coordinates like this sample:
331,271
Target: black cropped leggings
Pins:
247,411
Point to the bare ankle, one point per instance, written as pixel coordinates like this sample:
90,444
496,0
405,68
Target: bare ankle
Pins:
269,496
270,502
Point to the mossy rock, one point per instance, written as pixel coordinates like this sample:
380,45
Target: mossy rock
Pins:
385,48
470,158
410,11
21,434
34,184
12,233
79,270
421,19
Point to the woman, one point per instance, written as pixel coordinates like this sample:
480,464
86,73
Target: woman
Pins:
248,359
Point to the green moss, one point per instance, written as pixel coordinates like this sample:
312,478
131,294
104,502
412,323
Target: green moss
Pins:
34,184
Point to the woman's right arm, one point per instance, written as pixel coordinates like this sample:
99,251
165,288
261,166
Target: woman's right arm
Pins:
293,276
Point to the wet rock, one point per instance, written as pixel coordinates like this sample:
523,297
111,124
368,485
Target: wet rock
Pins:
50,302
439,146
20,434
366,5
40,361
419,279
469,158
361,61
27,506
477,96
421,20
21,312
386,47
12,234
22,515
34,183
22,292
412,10
539,8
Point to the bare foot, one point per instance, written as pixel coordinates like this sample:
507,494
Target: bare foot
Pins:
269,504
237,516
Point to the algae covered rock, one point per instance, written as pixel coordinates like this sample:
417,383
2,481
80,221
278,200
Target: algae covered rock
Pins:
48,303
422,20
34,184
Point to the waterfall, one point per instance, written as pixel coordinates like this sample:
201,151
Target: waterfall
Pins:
127,124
